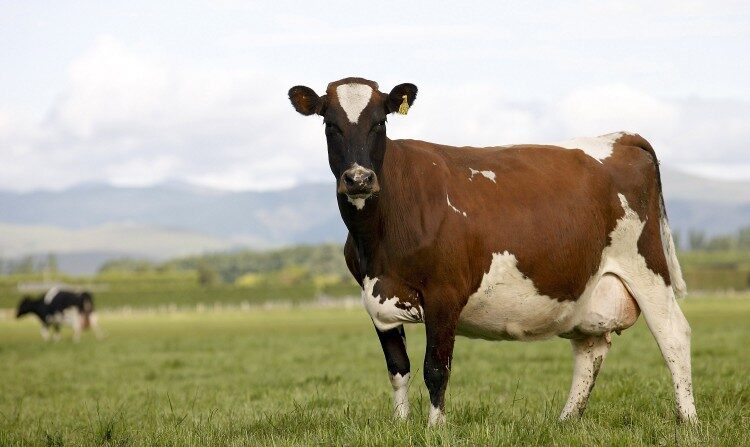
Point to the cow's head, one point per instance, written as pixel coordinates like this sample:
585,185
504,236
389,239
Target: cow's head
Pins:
354,112
27,305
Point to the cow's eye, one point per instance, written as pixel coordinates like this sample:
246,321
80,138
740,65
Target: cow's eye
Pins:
332,128
379,126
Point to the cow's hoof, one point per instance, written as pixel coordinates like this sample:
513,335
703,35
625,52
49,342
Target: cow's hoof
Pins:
437,417
401,412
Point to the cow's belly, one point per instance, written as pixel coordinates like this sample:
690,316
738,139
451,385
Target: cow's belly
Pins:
507,306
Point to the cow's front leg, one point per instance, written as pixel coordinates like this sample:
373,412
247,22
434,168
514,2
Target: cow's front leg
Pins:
440,325
45,332
393,342
56,332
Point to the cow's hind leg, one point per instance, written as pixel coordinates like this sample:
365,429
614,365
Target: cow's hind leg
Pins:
393,342
93,319
671,330
588,356
77,323
56,332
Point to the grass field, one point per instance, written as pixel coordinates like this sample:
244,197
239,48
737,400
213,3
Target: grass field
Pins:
317,377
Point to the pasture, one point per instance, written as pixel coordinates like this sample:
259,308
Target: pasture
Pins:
307,376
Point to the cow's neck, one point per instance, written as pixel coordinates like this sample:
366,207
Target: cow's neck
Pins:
40,313
364,226
381,222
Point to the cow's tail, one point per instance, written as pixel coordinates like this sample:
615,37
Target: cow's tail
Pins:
87,308
670,253
675,272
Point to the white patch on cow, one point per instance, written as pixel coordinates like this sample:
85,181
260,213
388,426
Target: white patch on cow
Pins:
358,203
489,174
507,306
453,207
400,386
598,148
51,294
436,417
387,315
70,316
353,98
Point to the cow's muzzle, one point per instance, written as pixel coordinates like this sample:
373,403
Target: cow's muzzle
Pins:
358,183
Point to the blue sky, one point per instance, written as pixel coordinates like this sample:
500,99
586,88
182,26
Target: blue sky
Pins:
147,92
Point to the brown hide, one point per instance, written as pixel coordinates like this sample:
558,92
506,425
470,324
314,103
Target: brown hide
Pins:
552,208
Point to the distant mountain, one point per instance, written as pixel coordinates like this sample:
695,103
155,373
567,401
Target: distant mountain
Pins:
92,222
682,186
304,214
132,239
713,206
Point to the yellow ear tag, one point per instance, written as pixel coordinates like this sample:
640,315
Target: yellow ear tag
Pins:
403,109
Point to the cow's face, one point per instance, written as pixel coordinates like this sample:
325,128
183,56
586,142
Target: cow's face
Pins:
354,112
26,305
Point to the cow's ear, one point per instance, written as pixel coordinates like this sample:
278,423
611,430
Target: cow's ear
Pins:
401,98
306,101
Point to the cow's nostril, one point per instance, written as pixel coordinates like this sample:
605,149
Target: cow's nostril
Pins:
367,178
349,178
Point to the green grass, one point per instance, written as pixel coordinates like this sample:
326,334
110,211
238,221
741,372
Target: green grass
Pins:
317,377
174,288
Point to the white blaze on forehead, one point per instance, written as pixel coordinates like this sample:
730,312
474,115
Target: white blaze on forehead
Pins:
353,98
595,147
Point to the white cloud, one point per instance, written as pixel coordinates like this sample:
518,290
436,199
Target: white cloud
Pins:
133,119
600,108
131,115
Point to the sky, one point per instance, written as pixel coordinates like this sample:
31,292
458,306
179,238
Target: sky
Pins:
141,92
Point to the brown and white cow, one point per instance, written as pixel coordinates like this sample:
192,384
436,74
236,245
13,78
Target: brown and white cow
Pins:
517,242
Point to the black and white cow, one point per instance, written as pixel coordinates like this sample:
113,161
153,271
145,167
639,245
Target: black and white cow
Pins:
58,307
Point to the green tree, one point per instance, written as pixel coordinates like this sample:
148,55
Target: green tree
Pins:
207,275
697,239
23,266
720,243
52,265
743,239
677,238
